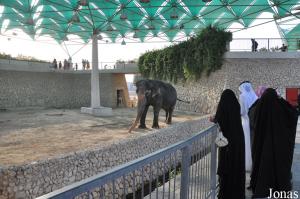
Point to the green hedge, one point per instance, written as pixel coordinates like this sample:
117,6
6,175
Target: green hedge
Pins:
188,59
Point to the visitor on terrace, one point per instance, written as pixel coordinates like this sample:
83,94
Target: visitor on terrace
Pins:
70,64
59,65
54,64
83,64
65,64
283,48
87,65
254,45
231,163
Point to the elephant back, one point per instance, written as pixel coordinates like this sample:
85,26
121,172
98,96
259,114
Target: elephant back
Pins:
166,91
168,94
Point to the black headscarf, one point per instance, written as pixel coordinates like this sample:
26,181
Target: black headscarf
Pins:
231,166
273,144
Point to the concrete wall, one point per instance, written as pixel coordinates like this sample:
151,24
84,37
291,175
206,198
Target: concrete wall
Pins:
31,66
277,70
38,178
56,89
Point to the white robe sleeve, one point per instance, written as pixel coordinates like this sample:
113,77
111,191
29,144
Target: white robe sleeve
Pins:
246,129
244,109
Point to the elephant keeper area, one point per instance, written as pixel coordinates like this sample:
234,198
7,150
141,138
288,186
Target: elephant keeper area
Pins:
29,135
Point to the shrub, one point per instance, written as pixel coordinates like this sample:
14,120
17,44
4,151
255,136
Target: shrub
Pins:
188,59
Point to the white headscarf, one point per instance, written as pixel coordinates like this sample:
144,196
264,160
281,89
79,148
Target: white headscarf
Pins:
247,95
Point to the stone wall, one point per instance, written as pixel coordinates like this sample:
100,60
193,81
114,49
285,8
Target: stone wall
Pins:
204,94
38,178
56,89
44,89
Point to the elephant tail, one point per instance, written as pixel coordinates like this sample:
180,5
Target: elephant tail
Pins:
183,101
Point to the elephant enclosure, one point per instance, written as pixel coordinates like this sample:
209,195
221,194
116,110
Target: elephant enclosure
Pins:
35,134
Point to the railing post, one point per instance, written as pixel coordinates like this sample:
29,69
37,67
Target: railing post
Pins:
213,165
185,168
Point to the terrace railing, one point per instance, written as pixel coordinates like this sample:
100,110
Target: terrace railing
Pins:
264,44
184,170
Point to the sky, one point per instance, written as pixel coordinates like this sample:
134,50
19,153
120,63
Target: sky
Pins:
48,49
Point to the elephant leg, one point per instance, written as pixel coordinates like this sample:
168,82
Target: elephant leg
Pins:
143,118
170,115
155,119
167,115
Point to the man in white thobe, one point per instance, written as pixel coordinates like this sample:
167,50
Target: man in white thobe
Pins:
247,98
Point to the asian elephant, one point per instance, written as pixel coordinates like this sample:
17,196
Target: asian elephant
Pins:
154,93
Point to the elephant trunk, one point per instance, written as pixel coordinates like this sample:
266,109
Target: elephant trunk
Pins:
140,110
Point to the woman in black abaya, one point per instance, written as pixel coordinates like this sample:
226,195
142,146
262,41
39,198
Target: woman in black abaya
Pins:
273,144
231,166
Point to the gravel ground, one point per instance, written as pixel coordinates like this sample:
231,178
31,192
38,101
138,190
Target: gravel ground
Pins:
28,135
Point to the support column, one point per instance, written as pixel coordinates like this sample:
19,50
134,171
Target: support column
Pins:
96,109
95,89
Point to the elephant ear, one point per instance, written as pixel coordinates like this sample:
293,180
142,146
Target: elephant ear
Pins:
155,92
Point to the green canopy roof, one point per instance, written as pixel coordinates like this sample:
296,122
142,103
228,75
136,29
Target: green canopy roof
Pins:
137,19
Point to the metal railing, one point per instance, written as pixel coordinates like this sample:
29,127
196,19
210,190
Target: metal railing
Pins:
101,66
184,170
116,65
264,44
23,62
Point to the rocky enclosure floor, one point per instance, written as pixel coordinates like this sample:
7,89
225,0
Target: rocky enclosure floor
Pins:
29,135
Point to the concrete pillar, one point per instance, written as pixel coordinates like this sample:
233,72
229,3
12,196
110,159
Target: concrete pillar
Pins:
96,109
95,90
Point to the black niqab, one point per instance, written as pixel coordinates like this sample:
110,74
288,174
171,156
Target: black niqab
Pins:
273,145
231,165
